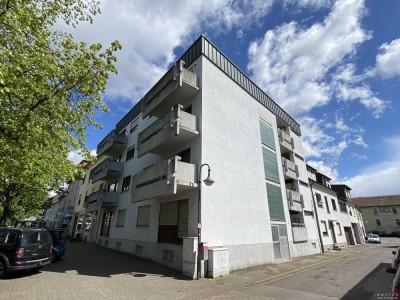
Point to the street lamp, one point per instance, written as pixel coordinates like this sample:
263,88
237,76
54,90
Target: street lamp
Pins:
208,181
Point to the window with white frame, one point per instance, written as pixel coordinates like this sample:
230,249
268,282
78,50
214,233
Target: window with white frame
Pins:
324,228
334,207
339,228
375,211
397,222
121,218
378,223
130,154
319,199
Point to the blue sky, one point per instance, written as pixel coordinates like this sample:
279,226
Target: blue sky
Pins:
333,65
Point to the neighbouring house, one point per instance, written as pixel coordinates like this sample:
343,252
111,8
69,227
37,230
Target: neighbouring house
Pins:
351,215
205,174
329,215
380,213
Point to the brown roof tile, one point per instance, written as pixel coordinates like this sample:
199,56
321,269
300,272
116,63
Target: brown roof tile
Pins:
377,200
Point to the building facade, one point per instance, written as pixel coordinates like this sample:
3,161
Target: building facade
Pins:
381,214
147,194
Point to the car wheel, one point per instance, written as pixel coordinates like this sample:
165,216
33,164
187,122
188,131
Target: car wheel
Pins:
2,268
53,256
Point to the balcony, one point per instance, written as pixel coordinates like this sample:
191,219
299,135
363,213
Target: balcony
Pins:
107,170
299,232
168,177
295,201
169,132
101,198
113,144
289,169
177,85
285,140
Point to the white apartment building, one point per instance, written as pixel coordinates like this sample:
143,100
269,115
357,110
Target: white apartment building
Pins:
151,190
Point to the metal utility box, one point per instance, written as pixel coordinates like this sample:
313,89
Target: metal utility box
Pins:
218,262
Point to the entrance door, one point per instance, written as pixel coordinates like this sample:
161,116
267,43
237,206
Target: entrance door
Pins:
332,229
349,236
280,242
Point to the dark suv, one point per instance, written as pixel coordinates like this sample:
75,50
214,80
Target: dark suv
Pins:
24,248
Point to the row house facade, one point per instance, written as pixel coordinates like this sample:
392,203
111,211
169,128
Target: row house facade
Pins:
381,214
152,190
339,220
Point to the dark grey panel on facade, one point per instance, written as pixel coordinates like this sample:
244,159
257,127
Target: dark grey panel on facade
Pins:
275,203
270,165
267,135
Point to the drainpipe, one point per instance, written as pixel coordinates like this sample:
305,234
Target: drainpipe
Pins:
316,215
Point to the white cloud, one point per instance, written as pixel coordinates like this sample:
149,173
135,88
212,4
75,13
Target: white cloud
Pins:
76,157
387,60
150,31
381,178
301,68
322,168
309,3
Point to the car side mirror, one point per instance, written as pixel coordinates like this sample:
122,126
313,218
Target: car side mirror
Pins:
394,252
391,270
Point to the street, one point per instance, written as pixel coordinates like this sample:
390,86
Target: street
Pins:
92,272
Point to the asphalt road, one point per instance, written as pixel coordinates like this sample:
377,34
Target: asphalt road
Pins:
360,276
92,272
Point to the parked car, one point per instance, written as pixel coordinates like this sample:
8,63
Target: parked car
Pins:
24,248
396,259
374,238
59,241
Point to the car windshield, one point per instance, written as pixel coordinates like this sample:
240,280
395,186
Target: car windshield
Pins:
374,236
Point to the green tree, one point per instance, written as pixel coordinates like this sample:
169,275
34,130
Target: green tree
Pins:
50,88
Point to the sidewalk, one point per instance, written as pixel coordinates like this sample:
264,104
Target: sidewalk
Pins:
272,272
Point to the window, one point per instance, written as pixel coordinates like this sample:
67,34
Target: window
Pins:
105,227
80,198
397,222
267,135
394,210
121,218
133,128
324,228
113,187
130,154
270,165
378,223
126,183
327,206
342,207
143,217
319,199
173,221
350,211
8,237
334,205
275,204
339,228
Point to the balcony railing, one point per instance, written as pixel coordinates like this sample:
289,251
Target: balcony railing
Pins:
177,85
113,144
299,232
289,169
101,198
169,132
106,170
168,177
295,200
285,140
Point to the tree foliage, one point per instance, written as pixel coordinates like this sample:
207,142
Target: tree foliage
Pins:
50,87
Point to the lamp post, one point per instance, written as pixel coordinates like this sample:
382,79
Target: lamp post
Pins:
208,181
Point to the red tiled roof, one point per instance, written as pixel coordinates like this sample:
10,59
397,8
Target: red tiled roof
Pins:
389,200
